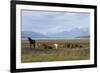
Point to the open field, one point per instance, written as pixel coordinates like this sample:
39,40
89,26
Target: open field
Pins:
77,49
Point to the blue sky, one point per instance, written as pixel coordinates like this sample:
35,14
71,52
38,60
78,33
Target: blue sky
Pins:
52,22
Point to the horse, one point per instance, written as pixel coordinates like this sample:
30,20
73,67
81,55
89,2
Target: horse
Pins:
31,42
47,46
56,45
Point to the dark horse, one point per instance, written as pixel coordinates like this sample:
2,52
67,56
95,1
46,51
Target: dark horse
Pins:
31,42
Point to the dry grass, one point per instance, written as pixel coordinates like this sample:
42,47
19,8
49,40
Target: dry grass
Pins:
41,54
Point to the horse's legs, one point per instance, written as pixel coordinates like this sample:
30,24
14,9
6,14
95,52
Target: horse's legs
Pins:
30,45
34,45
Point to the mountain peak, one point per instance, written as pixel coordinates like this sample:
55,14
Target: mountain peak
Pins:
75,32
25,34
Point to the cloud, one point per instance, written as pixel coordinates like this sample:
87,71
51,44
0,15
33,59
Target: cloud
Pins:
47,21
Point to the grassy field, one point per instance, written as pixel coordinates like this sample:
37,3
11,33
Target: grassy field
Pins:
78,49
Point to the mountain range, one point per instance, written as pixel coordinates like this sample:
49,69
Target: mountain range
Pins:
26,34
76,32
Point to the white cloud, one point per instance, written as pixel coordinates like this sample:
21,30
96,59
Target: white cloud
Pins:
46,21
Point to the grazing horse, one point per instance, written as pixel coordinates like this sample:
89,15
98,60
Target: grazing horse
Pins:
56,45
31,42
47,46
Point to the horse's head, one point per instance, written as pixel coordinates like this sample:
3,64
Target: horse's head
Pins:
29,38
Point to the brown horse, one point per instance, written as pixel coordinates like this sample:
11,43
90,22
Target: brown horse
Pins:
31,42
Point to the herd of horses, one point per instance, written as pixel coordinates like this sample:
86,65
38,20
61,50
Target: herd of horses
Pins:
32,44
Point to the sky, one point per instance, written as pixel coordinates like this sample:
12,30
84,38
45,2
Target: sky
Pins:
53,22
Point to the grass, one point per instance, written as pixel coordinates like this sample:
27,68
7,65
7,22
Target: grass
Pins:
41,54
